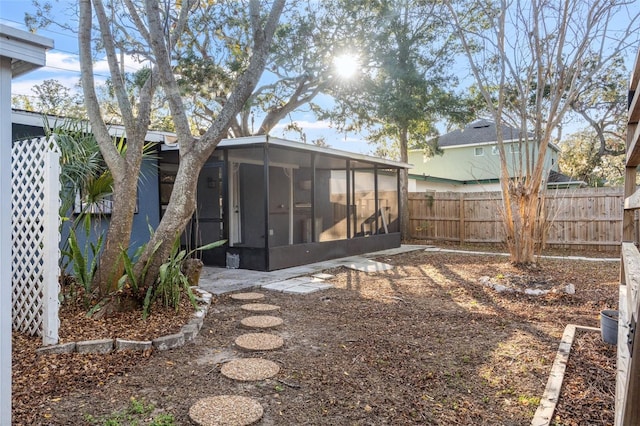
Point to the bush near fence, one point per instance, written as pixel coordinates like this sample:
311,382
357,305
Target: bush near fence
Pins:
578,219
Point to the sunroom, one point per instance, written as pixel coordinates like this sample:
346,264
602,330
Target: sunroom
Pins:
280,203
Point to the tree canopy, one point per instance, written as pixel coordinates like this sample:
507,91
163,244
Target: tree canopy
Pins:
51,97
581,159
296,71
405,85
595,155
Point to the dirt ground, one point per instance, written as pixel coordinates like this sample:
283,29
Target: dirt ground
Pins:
424,343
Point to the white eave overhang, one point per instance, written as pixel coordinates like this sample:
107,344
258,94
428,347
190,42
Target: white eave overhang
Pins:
35,119
26,50
284,143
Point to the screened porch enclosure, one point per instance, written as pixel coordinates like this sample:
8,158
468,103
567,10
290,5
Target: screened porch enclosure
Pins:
281,203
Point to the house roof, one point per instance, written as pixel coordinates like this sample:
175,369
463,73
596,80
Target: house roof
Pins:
26,50
559,179
299,146
321,150
479,132
169,140
35,119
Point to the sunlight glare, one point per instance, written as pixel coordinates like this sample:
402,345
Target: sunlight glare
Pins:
346,65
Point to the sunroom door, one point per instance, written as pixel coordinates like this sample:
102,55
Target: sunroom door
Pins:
209,223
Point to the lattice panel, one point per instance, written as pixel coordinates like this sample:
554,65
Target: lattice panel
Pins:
35,200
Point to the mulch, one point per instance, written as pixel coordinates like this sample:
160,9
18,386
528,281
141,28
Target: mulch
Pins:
423,343
588,391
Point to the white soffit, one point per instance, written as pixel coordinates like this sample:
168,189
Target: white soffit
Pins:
26,50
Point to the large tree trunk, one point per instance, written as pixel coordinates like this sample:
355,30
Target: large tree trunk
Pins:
124,167
194,153
118,235
179,211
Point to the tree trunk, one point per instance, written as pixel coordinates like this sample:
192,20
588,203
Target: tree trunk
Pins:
193,154
179,211
405,231
125,168
525,221
110,266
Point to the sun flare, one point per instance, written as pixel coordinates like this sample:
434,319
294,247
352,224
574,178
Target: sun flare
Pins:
346,65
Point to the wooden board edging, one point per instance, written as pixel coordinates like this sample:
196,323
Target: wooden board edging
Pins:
549,400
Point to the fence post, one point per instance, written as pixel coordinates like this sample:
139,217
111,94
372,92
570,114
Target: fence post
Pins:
5,239
461,231
51,240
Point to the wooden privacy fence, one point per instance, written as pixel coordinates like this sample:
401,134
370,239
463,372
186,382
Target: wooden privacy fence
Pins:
585,218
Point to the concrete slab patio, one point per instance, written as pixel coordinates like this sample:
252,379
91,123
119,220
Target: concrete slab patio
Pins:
221,280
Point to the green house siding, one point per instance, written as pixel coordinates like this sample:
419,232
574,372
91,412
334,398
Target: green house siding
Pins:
473,162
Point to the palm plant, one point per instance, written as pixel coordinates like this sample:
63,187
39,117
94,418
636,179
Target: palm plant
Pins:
87,184
81,162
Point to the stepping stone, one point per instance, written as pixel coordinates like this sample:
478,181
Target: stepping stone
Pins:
247,296
229,410
259,307
323,276
369,266
246,369
259,342
261,321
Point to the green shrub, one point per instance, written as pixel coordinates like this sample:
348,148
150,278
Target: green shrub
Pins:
172,281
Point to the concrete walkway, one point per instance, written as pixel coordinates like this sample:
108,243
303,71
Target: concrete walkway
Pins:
297,280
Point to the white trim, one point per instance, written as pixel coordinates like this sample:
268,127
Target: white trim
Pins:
28,118
5,241
284,143
470,144
170,142
291,203
51,254
27,51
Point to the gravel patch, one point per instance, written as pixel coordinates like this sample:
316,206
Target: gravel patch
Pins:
259,307
261,321
259,342
247,369
228,410
247,296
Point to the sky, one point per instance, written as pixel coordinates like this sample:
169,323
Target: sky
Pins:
63,65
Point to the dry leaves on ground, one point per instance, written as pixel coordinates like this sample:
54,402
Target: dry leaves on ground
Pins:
423,343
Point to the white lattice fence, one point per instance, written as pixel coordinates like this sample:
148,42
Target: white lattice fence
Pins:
35,200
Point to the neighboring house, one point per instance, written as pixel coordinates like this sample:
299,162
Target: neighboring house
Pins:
471,161
278,203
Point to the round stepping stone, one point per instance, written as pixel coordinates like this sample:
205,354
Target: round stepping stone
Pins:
228,410
246,369
259,342
247,296
259,307
261,321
